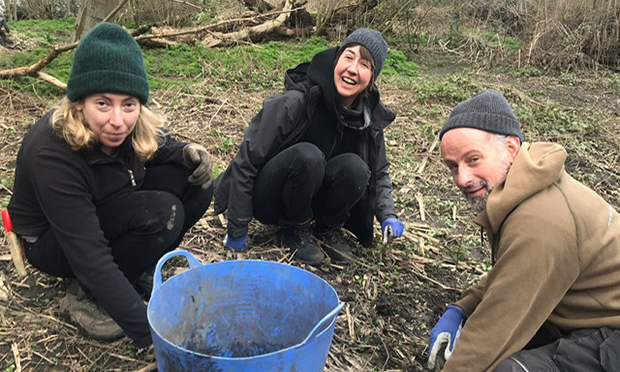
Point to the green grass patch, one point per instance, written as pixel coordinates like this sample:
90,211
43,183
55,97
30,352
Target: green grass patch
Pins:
451,90
45,32
500,41
58,68
397,64
552,121
251,67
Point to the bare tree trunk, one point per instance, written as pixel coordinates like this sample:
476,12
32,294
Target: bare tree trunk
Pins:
12,10
91,13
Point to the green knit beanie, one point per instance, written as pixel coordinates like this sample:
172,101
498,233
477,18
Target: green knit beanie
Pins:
108,60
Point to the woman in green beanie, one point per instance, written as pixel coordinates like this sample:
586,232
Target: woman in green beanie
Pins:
102,191
316,153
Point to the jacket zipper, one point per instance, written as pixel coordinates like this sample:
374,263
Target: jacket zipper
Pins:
133,180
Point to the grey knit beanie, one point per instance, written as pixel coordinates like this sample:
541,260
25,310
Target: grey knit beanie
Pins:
108,60
488,111
371,40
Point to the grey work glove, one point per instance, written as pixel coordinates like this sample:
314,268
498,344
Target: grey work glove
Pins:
197,158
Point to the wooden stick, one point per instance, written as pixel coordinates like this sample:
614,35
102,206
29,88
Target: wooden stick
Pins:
420,200
16,254
425,160
18,364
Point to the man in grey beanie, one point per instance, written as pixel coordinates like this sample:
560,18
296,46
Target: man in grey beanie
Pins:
550,302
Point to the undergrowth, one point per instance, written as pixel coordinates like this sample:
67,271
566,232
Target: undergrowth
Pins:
250,67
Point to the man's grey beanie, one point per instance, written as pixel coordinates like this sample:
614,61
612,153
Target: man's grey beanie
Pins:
371,40
488,111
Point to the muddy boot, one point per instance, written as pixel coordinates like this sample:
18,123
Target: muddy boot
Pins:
80,310
334,244
300,240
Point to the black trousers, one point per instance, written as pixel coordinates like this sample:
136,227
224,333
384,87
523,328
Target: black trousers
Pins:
132,223
584,350
3,24
298,184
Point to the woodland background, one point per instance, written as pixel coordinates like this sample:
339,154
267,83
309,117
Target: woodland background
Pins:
211,63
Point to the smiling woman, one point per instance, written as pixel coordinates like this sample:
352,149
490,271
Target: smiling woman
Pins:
353,73
315,155
102,191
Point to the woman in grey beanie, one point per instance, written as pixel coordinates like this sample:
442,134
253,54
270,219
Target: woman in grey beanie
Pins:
102,191
313,160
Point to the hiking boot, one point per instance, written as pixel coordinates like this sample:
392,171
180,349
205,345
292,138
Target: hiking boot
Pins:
301,241
80,309
334,245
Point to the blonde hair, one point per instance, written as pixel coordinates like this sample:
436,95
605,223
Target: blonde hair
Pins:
68,122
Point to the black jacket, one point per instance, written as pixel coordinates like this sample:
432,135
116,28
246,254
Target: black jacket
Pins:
59,188
285,120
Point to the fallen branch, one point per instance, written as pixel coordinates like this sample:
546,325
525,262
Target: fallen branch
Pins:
34,69
52,80
248,33
276,25
214,26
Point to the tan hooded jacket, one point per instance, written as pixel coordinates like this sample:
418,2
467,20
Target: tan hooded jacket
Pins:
556,252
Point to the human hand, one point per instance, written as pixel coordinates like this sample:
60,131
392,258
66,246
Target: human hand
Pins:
197,158
392,228
447,330
236,244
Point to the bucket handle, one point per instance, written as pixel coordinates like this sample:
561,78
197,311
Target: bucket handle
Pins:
191,260
327,319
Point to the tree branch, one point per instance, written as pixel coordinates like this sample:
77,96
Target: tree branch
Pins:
220,38
215,25
115,10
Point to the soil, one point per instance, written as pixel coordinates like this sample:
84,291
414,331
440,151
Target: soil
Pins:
394,293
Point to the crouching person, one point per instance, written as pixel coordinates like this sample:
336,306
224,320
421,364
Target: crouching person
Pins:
551,301
102,192
313,161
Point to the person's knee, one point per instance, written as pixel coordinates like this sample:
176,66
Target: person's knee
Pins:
351,167
307,154
163,214
509,365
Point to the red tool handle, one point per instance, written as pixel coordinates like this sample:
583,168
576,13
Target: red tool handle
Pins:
6,220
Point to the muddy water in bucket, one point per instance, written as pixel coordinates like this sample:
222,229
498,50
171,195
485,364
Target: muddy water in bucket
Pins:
241,315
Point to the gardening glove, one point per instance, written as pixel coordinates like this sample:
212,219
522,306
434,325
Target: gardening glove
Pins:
447,330
197,158
236,244
392,228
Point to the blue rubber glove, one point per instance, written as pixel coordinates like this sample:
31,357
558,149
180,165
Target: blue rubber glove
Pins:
392,228
447,330
236,244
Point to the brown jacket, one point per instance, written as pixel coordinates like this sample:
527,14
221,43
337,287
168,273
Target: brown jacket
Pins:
556,259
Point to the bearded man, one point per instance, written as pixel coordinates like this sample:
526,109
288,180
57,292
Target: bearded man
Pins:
551,301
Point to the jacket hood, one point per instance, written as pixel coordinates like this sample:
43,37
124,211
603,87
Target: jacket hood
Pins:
536,167
320,72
